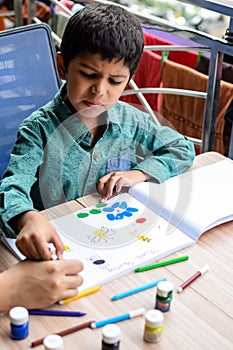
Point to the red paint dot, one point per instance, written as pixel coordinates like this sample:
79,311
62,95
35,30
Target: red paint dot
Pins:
141,220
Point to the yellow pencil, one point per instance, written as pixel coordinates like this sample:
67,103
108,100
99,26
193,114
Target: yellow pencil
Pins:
80,295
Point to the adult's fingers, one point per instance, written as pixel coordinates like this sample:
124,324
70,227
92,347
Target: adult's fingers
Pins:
72,267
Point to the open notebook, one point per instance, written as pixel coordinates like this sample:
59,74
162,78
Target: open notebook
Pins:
149,222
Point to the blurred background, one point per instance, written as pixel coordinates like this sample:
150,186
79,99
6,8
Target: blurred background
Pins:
176,12
182,14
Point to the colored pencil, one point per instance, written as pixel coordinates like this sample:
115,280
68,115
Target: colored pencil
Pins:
137,290
191,279
162,263
80,295
65,332
42,312
119,318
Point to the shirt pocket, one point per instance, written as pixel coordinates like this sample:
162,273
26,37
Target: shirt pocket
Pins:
121,163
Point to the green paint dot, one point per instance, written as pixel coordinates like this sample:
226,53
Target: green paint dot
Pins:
95,211
82,215
101,205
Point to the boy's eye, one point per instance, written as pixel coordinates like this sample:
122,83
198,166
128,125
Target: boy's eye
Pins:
114,82
94,75
88,76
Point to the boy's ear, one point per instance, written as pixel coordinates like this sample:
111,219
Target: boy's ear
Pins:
60,66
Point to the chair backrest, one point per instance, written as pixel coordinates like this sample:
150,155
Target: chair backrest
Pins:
28,79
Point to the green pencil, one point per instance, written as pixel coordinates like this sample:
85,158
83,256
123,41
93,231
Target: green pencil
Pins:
162,263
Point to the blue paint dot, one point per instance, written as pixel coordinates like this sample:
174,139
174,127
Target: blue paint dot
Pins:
127,213
111,217
120,216
115,205
123,205
132,210
108,209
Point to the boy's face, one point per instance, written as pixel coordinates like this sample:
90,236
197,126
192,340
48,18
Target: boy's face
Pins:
93,84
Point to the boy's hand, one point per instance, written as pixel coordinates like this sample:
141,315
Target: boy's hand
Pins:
35,232
114,181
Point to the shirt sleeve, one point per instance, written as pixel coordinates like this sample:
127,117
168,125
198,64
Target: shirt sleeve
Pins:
165,152
20,176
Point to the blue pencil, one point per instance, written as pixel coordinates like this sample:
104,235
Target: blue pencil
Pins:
130,314
137,290
55,313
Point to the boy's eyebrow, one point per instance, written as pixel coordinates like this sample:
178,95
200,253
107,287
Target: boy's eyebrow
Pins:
85,65
118,76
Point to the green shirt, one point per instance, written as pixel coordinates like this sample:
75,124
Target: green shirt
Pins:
53,162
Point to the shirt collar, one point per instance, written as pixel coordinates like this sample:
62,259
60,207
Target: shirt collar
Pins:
64,113
69,119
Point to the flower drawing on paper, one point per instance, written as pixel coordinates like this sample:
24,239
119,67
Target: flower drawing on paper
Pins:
119,211
67,248
104,234
143,238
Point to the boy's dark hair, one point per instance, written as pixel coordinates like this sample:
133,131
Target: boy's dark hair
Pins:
108,30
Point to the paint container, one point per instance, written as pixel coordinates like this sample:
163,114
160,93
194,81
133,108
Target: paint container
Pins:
164,296
153,326
53,342
111,334
19,319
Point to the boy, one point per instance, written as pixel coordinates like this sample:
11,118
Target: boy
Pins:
85,139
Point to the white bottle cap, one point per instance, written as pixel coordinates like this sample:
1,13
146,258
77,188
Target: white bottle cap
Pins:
18,315
111,333
154,318
53,342
163,288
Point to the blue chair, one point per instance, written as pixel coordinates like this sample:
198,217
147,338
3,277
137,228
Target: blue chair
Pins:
28,79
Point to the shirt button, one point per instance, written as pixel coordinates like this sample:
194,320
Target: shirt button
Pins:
95,157
88,191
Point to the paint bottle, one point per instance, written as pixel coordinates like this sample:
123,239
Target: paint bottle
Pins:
164,296
53,342
153,326
19,319
111,334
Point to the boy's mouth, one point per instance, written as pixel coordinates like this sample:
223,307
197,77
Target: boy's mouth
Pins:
89,103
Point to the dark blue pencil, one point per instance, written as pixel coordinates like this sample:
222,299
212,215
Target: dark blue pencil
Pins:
55,313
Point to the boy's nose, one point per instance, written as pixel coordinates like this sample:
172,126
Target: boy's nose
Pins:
98,88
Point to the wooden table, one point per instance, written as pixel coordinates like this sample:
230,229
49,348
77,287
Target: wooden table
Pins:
201,318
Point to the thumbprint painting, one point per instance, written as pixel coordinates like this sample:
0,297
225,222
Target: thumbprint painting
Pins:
116,223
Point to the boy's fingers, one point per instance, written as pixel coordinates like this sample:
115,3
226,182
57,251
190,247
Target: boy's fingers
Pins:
43,251
102,183
58,244
30,251
119,184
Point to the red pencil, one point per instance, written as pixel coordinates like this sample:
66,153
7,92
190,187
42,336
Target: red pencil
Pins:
199,273
64,332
